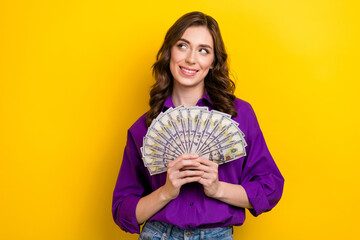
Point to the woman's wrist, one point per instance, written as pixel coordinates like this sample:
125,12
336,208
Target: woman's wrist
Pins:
164,195
232,194
220,191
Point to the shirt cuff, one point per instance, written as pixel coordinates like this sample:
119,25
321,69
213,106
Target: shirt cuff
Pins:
256,197
128,221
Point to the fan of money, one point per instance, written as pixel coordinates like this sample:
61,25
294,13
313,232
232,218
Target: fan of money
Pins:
210,134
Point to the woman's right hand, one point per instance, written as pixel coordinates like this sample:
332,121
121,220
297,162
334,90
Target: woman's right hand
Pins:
179,173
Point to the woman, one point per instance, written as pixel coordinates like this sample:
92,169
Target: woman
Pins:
195,197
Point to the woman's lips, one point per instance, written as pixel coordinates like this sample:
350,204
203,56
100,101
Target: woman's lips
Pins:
188,71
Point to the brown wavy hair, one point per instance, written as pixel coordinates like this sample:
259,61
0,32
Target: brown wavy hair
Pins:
217,82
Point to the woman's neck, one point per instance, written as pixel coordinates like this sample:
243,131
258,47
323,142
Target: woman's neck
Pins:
187,97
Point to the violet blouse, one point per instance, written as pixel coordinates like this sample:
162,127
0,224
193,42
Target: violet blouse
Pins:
256,172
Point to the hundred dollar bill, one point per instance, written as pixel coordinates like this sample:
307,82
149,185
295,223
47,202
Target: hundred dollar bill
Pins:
194,115
234,128
216,128
231,137
178,125
157,169
199,129
211,134
156,153
154,161
156,137
227,152
208,126
148,141
167,125
165,133
227,131
184,118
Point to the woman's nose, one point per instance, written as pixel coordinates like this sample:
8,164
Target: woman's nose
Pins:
191,58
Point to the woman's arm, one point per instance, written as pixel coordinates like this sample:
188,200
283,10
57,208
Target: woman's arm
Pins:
151,204
176,177
232,194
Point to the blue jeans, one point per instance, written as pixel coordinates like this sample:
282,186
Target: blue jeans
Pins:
162,231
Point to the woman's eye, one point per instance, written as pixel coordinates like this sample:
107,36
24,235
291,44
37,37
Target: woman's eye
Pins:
181,46
203,50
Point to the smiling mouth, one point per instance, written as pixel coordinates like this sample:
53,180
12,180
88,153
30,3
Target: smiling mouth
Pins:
187,71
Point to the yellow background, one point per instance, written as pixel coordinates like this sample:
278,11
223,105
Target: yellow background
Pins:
74,76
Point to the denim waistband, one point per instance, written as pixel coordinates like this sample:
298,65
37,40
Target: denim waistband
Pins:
177,232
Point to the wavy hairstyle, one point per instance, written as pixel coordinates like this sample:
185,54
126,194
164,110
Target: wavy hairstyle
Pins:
218,85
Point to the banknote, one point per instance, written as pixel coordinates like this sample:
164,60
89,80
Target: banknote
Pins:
157,138
153,144
167,132
153,152
210,134
157,169
156,161
217,128
207,126
226,153
195,117
184,119
178,125
167,125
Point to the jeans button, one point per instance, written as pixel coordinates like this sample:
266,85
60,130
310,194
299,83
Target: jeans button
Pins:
188,234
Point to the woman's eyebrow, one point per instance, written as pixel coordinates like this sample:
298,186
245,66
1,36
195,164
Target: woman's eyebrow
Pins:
201,45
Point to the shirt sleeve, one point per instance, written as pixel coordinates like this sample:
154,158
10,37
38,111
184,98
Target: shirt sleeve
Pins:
131,185
261,177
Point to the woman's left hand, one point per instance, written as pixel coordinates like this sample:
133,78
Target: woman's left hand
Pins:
209,179
233,194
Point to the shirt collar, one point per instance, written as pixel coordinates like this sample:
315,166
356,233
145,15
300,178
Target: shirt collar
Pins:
203,101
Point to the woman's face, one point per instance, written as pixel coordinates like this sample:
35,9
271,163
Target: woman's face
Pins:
192,57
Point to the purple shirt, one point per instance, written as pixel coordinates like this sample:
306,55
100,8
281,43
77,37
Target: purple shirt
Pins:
256,172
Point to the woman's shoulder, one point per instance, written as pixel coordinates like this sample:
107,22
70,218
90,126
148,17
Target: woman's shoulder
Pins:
246,117
139,126
243,106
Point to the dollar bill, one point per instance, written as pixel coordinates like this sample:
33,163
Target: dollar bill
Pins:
219,143
154,136
211,134
156,153
216,129
166,124
184,118
155,161
199,129
208,126
166,133
152,143
226,152
194,115
178,125
157,169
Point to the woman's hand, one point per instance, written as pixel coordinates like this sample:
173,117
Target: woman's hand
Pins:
233,194
181,171
209,179
185,169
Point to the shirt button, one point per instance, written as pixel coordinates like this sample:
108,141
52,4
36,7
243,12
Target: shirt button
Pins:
191,204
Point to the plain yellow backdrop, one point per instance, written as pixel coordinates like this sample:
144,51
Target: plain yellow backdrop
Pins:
74,76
